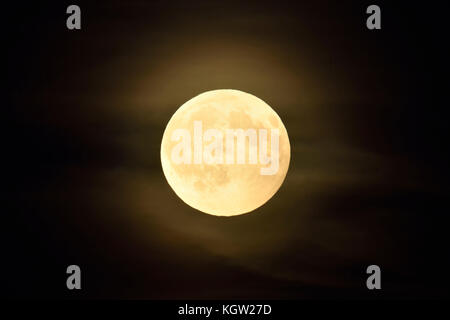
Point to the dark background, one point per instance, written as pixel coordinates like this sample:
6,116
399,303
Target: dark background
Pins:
85,113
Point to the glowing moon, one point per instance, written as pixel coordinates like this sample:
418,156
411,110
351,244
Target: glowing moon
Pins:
226,187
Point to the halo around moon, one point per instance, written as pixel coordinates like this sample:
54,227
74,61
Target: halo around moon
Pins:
224,189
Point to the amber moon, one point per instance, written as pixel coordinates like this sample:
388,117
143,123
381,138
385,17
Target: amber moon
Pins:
225,152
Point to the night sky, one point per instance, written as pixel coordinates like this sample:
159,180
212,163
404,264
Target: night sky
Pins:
85,112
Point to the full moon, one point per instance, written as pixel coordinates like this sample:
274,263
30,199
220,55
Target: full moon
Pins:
232,184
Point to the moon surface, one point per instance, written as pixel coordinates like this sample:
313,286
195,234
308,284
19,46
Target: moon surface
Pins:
225,189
